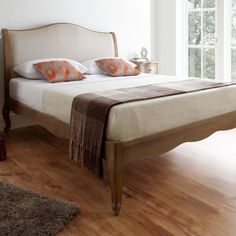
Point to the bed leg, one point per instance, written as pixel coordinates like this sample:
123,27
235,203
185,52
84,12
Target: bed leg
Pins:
3,151
116,172
6,117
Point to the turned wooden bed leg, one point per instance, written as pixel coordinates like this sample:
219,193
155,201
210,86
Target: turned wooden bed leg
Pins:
6,117
3,151
116,172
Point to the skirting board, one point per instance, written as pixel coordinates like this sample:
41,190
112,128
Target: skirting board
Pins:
16,121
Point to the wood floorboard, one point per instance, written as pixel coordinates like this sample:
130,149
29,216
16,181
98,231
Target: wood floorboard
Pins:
190,191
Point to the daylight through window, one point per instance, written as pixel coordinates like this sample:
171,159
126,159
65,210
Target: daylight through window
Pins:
202,38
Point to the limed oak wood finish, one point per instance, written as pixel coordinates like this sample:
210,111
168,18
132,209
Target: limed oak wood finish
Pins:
117,154
189,191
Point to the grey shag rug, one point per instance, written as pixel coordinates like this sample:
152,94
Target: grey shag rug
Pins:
25,213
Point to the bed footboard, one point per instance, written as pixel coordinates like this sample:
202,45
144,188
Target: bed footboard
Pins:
118,155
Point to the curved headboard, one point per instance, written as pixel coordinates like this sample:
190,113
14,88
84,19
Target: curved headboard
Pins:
56,40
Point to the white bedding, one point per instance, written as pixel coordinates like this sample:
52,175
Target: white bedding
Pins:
131,120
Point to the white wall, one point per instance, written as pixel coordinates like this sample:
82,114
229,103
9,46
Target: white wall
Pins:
163,34
130,19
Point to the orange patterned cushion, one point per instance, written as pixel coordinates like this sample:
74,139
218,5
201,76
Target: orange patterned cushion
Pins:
116,67
58,71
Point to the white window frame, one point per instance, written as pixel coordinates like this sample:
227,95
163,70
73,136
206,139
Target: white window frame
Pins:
223,45
202,10
228,33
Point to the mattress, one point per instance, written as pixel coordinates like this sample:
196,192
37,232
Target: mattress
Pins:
130,120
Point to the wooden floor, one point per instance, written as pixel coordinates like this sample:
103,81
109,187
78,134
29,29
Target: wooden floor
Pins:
188,191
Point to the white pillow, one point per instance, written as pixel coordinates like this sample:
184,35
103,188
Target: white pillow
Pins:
93,68
28,71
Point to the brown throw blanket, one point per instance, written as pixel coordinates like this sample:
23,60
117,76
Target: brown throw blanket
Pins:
90,113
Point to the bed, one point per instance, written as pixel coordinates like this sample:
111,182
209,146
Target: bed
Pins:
135,130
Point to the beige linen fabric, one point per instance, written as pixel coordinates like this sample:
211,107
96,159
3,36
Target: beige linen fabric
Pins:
139,119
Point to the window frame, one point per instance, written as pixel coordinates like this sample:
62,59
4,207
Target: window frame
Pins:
227,37
223,40
230,47
201,46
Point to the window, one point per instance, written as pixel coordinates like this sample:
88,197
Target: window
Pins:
233,40
202,39
206,39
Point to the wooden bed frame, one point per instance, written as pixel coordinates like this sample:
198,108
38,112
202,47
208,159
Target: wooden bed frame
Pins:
117,154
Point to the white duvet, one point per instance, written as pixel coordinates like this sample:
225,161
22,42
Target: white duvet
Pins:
131,120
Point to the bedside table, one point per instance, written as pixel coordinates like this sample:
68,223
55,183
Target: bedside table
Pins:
145,66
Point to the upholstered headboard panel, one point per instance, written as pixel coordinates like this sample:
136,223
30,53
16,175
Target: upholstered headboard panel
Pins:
56,40
60,40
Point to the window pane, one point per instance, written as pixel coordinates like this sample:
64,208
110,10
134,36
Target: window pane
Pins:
234,4
192,4
194,28
209,28
209,3
194,62
233,64
233,38
233,42
209,63
234,19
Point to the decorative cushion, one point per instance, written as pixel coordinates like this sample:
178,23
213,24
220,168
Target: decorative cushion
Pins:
116,67
27,69
94,69
58,71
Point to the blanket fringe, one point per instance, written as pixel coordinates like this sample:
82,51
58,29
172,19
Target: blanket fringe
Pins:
85,158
